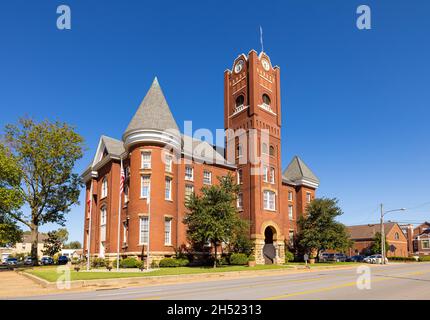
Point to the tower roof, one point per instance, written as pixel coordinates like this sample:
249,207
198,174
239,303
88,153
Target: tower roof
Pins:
298,171
153,112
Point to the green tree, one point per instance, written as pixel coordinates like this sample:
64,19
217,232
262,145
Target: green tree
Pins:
212,217
53,244
62,235
318,229
44,154
375,248
73,245
10,198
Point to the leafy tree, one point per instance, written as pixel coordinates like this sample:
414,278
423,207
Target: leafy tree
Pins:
42,156
318,230
62,235
239,240
212,217
10,197
73,245
375,248
53,244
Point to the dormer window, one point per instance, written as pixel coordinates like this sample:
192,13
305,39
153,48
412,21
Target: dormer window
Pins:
104,187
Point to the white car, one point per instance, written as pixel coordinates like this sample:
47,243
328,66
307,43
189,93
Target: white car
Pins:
375,259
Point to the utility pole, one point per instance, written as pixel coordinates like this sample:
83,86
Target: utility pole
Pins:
382,235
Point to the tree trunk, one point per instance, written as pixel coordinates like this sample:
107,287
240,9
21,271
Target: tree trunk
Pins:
215,255
34,243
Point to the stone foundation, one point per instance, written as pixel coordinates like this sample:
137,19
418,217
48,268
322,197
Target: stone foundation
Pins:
258,251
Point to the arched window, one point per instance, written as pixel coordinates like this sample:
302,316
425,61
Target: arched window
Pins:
103,214
264,148
266,99
396,236
240,100
239,150
272,151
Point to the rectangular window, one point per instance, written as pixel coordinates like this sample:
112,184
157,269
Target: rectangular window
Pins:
168,162
124,232
269,200
146,160
126,193
239,150
272,175
145,184
308,197
239,176
290,196
425,244
189,189
240,200
207,177
168,189
290,212
189,173
291,236
167,231
144,230
103,214
104,187
266,174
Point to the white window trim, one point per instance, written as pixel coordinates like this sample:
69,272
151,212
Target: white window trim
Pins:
272,175
210,177
168,179
290,212
140,229
192,173
290,193
168,163
265,173
141,185
170,231
268,200
105,189
142,162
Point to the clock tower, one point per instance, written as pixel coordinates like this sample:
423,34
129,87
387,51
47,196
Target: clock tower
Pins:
252,118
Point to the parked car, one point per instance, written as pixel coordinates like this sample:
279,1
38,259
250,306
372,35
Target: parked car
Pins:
324,256
62,260
357,258
333,257
340,257
46,261
376,259
29,261
12,261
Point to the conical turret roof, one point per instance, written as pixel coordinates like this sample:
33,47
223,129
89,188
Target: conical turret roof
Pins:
298,170
153,112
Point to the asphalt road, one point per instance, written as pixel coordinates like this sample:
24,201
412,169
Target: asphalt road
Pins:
396,281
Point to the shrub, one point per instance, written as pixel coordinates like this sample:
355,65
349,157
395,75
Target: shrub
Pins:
289,256
76,261
251,258
223,261
155,264
139,264
238,259
424,258
128,263
98,263
172,263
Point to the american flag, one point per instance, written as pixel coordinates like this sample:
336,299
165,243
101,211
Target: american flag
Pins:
121,179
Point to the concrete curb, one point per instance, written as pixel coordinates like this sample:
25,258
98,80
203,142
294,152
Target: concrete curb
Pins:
159,280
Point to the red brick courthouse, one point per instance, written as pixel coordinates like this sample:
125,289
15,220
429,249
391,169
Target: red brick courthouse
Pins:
163,166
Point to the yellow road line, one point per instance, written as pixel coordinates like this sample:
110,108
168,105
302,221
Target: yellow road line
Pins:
344,285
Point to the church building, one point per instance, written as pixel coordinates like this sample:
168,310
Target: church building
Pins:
156,167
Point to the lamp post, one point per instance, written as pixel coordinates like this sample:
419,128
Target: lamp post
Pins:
383,230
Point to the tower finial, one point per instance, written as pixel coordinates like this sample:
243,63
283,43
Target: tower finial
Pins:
261,39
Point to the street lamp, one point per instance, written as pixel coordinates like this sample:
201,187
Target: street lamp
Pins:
383,230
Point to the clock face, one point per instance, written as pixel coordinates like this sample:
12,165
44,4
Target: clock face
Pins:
265,64
239,66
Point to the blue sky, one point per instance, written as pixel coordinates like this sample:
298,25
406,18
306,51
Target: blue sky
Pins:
355,103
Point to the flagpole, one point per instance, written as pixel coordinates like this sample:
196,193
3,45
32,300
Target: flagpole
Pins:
89,226
148,201
119,215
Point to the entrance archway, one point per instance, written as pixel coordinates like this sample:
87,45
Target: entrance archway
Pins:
269,250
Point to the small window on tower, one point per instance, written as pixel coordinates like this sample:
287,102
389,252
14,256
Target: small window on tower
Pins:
266,99
239,101
272,151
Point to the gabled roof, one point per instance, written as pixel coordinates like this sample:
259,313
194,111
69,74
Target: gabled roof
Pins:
113,146
298,171
153,112
368,231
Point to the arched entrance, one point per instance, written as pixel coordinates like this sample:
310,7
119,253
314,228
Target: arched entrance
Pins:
269,250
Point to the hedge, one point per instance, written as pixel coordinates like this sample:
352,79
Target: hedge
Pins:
238,259
289,256
98,263
401,258
172,263
424,258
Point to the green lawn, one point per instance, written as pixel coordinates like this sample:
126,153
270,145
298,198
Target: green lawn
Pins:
50,273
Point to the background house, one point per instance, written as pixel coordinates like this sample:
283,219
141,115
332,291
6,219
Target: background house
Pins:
421,239
363,238
25,246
